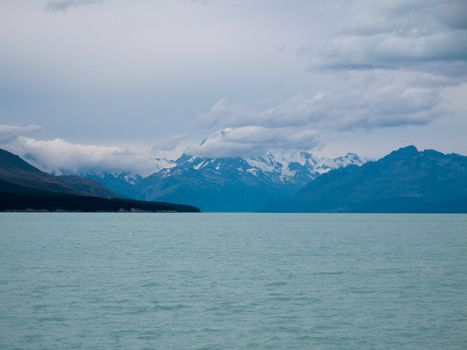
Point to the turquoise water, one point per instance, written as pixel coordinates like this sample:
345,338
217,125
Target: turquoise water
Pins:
233,281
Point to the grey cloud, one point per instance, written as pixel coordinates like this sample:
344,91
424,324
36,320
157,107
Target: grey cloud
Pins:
169,143
155,65
395,34
170,148
253,140
367,101
201,2
381,50
64,5
9,133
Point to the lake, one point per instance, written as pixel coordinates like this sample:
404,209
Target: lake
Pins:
232,281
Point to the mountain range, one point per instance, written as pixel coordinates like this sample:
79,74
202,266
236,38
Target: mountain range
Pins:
224,184
406,180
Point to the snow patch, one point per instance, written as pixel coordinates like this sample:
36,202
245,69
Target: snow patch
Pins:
261,165
200,165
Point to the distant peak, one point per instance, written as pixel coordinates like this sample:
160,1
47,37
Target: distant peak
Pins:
351,155
407,149
403,153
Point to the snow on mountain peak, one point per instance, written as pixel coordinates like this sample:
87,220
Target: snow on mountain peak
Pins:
276,166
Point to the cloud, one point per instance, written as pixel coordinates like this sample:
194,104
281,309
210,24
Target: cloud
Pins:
200,2
394,34
170,143
365,66
64,5
61,155
367,100
9,133
386,65
58,155
253,140
170,148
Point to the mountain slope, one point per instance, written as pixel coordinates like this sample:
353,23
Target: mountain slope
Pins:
25,188
122,183
235,183
406,180
14,170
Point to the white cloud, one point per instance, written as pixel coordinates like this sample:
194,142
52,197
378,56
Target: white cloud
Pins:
253,140
64,156
9,133
61,155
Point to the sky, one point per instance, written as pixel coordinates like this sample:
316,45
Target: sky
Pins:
109,83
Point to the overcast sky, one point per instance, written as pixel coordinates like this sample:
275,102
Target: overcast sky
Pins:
102,79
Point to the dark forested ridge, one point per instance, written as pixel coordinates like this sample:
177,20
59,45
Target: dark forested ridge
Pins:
26,188
15,170
54,201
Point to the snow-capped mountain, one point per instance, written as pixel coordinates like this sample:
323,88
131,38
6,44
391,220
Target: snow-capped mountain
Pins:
296,168
237,183
221,184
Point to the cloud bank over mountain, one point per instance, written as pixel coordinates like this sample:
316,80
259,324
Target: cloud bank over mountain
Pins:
61,155
253,140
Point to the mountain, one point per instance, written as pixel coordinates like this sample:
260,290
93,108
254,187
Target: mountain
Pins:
122,182
236,183
24,187
14,170
406,180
